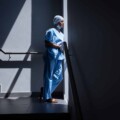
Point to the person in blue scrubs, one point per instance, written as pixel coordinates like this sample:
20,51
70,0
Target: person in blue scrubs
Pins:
54,57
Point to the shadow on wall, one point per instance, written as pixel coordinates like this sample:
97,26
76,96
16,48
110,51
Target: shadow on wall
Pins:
16,64
7,21
42,15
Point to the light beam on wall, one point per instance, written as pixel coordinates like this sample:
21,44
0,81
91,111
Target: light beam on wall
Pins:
18,40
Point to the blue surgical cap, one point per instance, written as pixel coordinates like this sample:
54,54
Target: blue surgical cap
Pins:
57,19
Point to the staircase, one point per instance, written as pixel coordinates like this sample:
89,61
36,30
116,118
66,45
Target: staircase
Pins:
32,109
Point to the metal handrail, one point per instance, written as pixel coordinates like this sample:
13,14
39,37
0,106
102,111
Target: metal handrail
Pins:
73,84
20,52
9,53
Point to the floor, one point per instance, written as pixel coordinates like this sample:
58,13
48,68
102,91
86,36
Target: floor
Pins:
32,106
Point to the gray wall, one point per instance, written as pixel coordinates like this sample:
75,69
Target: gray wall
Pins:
66,75
94,39
22,28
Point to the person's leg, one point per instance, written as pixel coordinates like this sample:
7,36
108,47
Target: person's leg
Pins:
57,75
48,73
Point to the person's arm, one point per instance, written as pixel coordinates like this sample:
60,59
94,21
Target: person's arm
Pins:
49,44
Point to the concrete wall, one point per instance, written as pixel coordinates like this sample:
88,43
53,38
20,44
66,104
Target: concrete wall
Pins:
22,28
66,75
94,39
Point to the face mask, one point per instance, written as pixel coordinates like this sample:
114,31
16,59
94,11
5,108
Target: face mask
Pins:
59,27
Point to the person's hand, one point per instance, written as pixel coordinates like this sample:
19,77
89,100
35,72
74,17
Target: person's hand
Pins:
61,48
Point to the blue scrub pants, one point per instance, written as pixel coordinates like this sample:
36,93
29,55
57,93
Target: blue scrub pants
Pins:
52,76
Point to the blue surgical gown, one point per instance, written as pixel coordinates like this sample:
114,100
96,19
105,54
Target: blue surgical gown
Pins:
53,63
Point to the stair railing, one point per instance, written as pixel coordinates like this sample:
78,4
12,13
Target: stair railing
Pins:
9,53
73,84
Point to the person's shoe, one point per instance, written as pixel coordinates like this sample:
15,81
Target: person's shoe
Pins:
52,100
